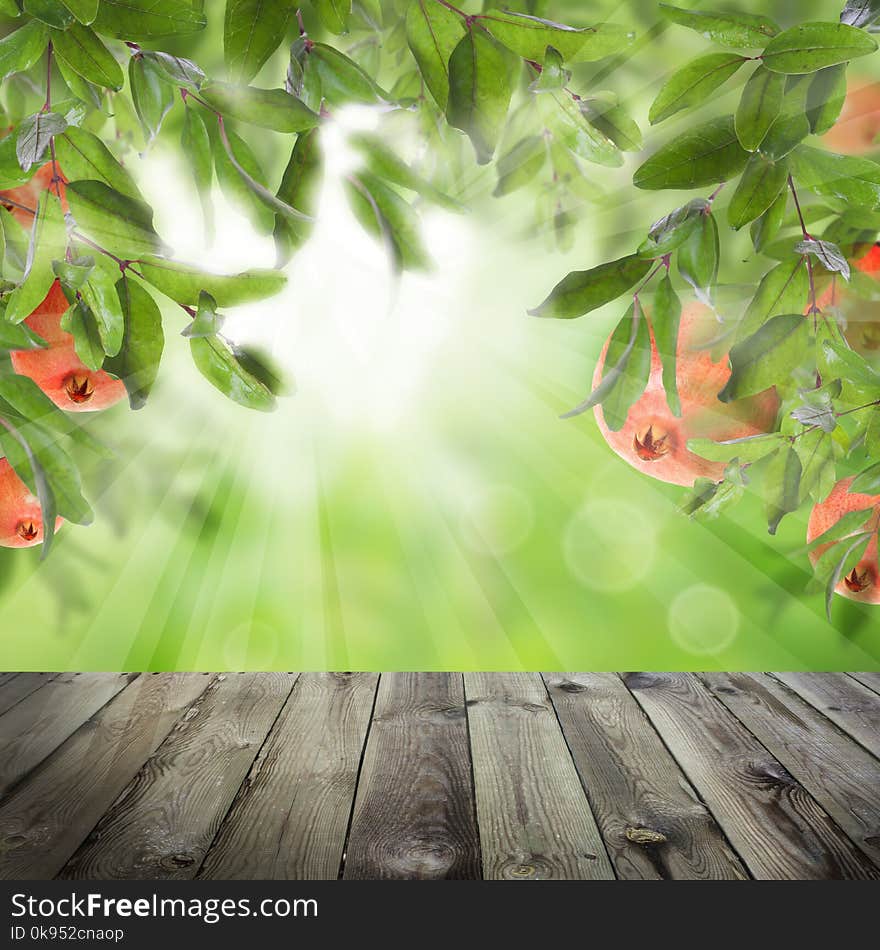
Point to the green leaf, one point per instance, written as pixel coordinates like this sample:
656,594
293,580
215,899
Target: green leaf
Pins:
852,179
758,107
673,229
748,449
137,363
147,19
51,12
829,255
761,183
582,291
83,155
195,143
767,357
815,450
844,527
48,241
268,108
184,282
693,83
34,135
382,160
765,228
252,31
837,361
572,122
868,481
207,321
84,52
333,14
300,187
740,30
783,289
176,70
707,499
786,133
260,365
302,81
811,46
704,155
432,32
520,165
342,80
698,257
152,96
240,174
847,561
382,212
116,221
529,36
216,361
872,434
84,10
99,294
665,323
782,479
21,49
553,74
479,91
626,372
605,114
825,98
860,12
80,322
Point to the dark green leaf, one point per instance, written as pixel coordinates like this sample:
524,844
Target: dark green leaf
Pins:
300,186
184,282
573,123
147,19
151,94
758,107
84,10
698,257
302,81
825,98
83,155
342,80
80,322
605,114
740,30
207,321
21,49
782,290
99,294
138,361
260,365
176,70
268,108
529,37
811,46
704,155
782,486
51,12
765,228
217,362
333,14
626,372
786,133
84,52
582,291
665,323
673,229
382,212
432,32
767,357
73,273
761,183
693,83
252,31
852,179
116,221
238,178
34,135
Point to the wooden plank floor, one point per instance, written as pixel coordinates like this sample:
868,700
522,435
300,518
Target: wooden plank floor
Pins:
517,776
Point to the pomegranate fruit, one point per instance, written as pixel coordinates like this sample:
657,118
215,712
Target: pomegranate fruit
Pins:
654,441
862,583
21,520
22,201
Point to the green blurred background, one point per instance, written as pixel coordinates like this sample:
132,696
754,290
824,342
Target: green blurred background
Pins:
417,504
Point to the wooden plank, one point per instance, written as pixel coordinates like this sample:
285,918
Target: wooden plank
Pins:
36,726
871,680
51,812
162,824
652,821
6,677
414,810
19,686
291,816
837,772
535,821
776,827
848,704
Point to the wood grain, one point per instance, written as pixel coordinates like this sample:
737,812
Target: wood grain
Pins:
37,725
162,824
535,821
776,827
47,816
291,815
414,811
871,680
836,771
849,704
652,821
14,687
